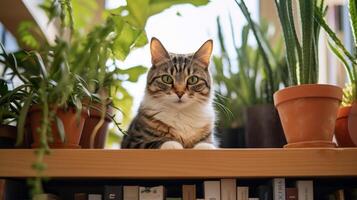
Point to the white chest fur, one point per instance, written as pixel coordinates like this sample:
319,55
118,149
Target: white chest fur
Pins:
185,120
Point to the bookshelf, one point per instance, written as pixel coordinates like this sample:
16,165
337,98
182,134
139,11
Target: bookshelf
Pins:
183,164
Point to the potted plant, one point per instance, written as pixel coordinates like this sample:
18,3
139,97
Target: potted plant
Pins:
263,127
307,110
54,102
346,124
11,102
249,89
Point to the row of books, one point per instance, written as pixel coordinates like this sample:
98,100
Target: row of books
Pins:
223,189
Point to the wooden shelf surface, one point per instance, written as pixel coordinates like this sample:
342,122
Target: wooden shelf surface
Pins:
149,164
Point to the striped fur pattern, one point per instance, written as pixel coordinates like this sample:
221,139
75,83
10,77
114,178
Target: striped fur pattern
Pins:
177,107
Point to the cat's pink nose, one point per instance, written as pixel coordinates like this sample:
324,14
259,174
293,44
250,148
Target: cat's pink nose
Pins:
180,93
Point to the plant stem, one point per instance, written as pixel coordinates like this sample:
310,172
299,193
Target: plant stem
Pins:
267,65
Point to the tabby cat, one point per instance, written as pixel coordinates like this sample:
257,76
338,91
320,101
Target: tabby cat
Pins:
177,110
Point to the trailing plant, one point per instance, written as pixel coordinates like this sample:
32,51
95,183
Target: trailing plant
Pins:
246,83
74,68
301,52
348,59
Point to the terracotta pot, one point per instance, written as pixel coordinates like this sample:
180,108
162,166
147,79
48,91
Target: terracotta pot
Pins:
90,124
72,126
231,138
308,114
263,127
342,133
7,136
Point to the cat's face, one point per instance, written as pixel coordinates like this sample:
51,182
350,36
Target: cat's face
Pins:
179,79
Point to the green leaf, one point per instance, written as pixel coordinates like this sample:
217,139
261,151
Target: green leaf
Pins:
133,72
353,18
338,44
339,55
125,41
60,128
137,12
141,40
307,15
22,120
41,65
3,87
27,38
84,13
157,6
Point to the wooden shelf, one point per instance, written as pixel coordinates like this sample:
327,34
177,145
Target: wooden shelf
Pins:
159,164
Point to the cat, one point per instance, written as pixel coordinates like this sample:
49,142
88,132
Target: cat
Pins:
177,109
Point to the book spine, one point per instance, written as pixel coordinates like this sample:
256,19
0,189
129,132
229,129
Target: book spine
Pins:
152,193
291,194
113,192
131,192
279,188
265,192
228,189
80,196
340,194
305,190
189,192
2,189
212,190
242,193
94,197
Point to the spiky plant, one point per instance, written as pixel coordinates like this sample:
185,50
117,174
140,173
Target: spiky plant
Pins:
348,59
301,52
248,82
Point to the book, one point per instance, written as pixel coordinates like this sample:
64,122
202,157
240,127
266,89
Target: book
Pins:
151,193
265,192
212,190
305,190
340,194
253,198
350,193
94,197
131,192
228,189
45,197
13,189
242,193
113,192
279,188
80,196
2,189
189,192
291,194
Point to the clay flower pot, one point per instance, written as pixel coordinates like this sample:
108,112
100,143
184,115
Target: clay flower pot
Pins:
73,127
342,133
231,137
263,127
8,135
90,124
308,114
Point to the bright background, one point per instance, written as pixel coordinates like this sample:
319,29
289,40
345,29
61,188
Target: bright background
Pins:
183,29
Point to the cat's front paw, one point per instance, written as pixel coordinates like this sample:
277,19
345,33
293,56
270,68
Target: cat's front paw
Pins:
171,145
204,145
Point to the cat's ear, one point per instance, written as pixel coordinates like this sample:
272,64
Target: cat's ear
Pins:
158,52
203,54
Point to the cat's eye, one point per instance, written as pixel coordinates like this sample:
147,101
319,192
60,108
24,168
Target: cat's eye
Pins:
166,79
192,80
